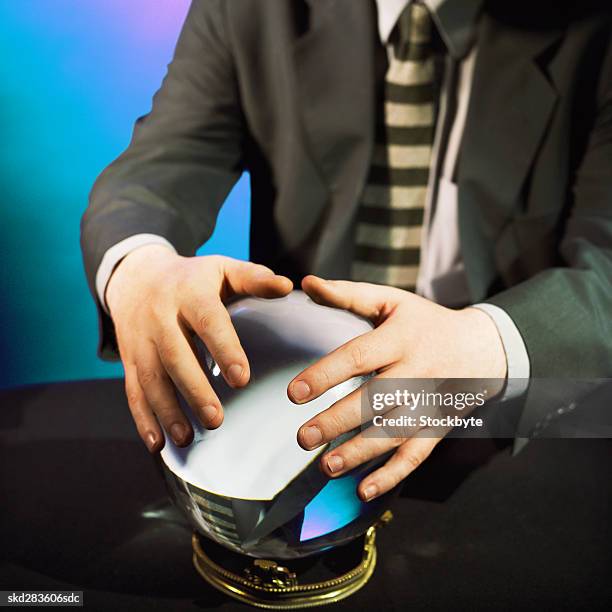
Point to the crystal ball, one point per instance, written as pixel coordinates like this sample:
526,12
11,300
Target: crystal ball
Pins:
248,485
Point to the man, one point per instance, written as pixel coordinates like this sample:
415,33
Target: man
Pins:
490,243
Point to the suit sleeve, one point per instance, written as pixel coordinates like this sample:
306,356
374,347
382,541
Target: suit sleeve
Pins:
564,314
182,161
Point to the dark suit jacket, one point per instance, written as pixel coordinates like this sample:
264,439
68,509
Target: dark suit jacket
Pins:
286,90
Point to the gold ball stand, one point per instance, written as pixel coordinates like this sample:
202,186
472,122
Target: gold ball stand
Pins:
266,584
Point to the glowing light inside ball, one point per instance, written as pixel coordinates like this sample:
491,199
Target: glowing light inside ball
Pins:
334,507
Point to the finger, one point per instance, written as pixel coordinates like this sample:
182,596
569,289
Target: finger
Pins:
247,278
341,417
212,323
160,395
404,461
355,452
374,350
179,360
365,299
146,423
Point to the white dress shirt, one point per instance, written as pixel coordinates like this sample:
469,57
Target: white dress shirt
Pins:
442,275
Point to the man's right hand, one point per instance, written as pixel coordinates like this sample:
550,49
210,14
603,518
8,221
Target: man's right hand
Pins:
158,300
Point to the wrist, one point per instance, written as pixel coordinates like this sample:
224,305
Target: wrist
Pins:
132,264
487,343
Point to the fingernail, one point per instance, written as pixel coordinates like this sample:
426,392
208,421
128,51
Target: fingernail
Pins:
209,413
311,436
335,463
370,492
234,373
300,390
323,281
178,433
151,441
263,274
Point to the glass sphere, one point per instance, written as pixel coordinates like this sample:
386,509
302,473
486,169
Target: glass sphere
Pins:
248,485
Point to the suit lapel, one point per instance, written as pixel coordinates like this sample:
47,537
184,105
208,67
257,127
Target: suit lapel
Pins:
511,104
334,67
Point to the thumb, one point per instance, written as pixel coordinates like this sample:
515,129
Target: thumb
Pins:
364,299
246,278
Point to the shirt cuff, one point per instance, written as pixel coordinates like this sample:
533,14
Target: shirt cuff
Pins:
116,253
517,358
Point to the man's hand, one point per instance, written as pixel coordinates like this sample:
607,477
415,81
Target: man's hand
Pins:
413,338
157,299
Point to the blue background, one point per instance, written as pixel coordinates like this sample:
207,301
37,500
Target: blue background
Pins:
74,76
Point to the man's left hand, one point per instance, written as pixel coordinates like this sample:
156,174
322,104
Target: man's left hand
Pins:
412,338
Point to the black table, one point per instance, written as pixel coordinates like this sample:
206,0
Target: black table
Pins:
84,507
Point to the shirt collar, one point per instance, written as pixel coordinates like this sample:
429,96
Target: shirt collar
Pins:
455,20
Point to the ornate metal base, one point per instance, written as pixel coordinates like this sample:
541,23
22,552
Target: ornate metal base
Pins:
266,584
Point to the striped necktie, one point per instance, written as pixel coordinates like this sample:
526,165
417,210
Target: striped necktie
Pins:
391,211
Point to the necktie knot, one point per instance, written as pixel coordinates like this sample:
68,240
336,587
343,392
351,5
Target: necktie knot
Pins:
414,30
